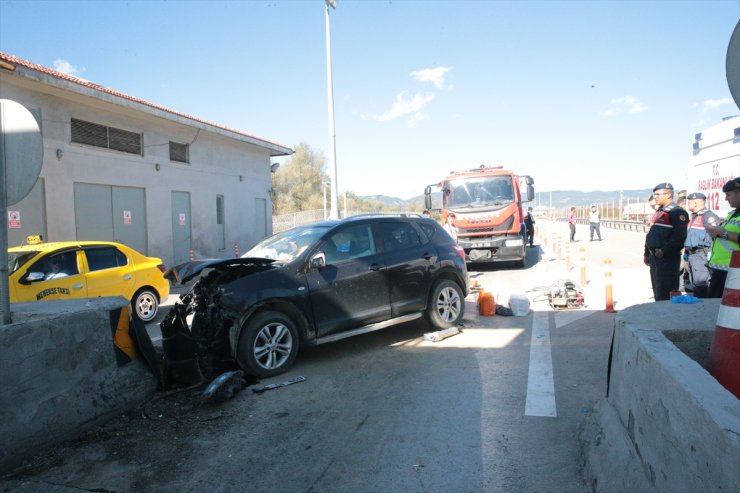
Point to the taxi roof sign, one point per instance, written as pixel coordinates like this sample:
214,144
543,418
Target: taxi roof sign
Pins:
34,239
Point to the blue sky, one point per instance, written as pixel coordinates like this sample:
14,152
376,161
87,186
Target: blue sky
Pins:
580,95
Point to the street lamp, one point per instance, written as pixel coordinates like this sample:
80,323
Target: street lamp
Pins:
323,188
334,213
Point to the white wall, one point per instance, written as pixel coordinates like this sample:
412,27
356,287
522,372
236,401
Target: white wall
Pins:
216,164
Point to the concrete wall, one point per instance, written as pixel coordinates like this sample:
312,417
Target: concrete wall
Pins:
220,164
60,376
666,425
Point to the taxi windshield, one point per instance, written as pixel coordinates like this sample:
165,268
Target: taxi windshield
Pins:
288,245
16,260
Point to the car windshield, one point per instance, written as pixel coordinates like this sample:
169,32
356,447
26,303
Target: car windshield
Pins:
16,260
286,246
478,192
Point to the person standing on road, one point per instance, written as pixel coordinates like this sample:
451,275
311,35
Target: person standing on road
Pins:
594,222
529,224
699,243
726,238
572,224
664,242
449,225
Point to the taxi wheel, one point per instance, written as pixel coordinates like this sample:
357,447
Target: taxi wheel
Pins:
145,304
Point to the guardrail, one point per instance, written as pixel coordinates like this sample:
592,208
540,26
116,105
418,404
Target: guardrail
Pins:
636,226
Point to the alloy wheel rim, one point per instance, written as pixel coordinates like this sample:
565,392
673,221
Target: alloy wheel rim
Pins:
273,345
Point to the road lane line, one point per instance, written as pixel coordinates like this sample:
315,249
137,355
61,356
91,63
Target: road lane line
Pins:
540,382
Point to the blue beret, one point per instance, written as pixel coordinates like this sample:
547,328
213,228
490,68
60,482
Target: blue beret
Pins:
663,186
731,185
696,195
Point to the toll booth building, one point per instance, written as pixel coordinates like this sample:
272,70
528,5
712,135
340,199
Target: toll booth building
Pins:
118,168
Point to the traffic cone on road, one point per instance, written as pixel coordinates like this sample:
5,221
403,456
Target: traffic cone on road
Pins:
724,355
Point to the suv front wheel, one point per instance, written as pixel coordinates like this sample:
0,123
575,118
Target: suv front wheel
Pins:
446,305
268,344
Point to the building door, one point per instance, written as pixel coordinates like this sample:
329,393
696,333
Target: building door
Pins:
28,217
93,212
181,227
129,217
108,213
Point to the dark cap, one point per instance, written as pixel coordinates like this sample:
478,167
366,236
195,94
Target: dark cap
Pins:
663,186
696,196
731,185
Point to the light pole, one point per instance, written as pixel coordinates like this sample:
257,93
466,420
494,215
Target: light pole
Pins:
334,213
323,188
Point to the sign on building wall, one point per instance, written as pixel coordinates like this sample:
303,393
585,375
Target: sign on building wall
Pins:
14,219
182,220
126,217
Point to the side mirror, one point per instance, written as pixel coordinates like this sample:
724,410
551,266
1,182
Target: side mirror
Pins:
32,277
530,193
317,261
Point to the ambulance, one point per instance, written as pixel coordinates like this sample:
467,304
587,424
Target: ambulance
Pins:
714,162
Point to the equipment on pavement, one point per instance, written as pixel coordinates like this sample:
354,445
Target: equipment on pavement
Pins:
565,294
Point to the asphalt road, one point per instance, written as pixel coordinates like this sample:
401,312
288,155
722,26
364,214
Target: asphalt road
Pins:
495,408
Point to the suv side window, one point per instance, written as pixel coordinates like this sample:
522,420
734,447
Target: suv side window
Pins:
398,236
428,228
349,243
99,258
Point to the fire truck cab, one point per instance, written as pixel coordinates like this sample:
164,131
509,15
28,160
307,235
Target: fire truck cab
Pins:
488,216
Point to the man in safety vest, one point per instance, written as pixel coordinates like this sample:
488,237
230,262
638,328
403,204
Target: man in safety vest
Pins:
699,242
664,242
726,237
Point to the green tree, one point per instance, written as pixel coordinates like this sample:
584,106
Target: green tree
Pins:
297,185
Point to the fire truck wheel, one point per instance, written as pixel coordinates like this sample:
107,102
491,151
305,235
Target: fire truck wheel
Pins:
446,305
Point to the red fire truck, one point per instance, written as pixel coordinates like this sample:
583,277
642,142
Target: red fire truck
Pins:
487,203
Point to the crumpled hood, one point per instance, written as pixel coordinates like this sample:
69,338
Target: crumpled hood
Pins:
182,273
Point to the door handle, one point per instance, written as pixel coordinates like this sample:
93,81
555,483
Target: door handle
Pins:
77,286
127,277
375,267
427,256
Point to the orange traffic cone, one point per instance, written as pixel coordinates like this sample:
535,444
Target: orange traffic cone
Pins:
724,355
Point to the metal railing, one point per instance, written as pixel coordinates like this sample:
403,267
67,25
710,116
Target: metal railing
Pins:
636,226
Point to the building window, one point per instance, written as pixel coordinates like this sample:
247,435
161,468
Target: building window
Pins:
93,134
221,230
179,152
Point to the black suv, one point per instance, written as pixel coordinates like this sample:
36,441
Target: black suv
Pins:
314,284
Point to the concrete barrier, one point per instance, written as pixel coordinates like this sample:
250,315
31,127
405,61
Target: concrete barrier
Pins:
666,424
60,374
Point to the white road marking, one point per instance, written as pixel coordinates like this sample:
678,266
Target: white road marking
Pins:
540,382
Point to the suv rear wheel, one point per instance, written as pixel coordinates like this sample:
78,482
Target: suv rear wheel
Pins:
268,344
446,305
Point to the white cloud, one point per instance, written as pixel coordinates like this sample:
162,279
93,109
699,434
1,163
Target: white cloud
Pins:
713,104
628,104
406,104
65,67
434,75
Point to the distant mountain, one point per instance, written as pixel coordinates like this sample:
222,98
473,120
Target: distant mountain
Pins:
557,199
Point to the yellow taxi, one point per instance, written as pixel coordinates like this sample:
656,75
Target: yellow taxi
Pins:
86,269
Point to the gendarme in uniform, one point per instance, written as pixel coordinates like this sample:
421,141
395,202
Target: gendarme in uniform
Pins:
664,242
699,242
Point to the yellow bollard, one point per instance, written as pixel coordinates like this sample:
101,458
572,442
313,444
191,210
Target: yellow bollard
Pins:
583,267
560,249
567,257
608,284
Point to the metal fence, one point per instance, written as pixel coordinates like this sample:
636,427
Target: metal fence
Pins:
284,222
